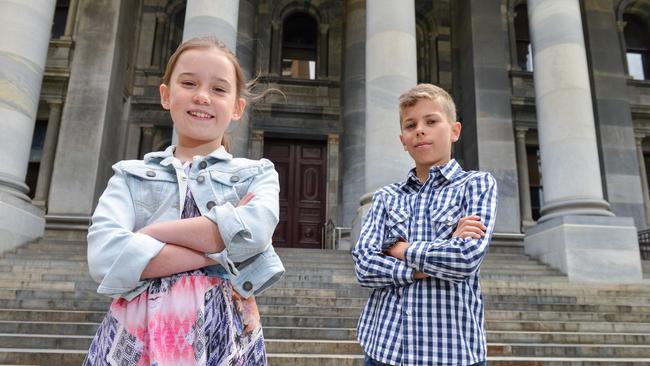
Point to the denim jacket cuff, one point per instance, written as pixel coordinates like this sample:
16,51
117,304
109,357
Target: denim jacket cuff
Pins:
229,223
222,259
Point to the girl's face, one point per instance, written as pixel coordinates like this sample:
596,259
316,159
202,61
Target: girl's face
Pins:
202,97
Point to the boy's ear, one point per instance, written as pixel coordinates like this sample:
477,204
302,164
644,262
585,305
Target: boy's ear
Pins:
401,139
455,131
240,105
164,96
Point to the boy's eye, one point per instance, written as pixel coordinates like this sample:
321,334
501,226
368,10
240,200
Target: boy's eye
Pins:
431,121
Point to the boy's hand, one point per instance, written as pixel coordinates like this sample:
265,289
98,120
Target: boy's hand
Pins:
397,250
470,227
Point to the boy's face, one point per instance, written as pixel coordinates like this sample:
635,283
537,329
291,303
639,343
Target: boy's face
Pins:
427,133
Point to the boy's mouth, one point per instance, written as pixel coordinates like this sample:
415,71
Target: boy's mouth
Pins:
200,114
422,144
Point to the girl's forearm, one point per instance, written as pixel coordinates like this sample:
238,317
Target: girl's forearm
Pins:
198,233
174,259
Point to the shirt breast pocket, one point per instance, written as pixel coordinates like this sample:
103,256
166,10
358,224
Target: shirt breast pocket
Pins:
445,220
397,222
232,186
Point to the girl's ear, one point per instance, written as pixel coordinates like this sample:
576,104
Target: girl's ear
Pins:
164,96
240,105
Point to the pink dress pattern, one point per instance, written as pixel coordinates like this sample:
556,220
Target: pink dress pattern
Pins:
189,318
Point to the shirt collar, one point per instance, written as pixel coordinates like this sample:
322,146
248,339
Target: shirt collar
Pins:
447,171
167,156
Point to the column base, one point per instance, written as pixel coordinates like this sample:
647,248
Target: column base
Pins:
357,222
21,222
588,248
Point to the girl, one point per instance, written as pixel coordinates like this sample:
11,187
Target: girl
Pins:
182,239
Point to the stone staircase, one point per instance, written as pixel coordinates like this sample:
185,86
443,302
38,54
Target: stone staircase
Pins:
49,310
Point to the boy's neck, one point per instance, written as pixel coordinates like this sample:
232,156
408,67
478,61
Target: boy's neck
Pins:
422,171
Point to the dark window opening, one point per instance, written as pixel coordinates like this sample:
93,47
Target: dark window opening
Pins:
60,18
35,156
299,46
522,38
535,181
637,47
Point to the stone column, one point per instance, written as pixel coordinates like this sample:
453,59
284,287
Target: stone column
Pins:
354,111
212,18
391,69
524,183
256,147
240,130
644,178
93,112
146,142
162,22
332,179
483,95
323,58
613,117
49,149
276,45
577,234
22,63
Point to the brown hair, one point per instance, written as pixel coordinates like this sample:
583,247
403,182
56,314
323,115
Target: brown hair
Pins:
243,88
431,92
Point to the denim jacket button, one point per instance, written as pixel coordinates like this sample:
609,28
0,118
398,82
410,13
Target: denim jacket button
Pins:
247,286
151,173
210,204
200,179
203,164
234,179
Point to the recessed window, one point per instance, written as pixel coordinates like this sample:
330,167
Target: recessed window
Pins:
299,46
60,18
522,39
637,47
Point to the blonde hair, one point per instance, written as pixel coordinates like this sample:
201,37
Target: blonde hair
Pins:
243,88
430,92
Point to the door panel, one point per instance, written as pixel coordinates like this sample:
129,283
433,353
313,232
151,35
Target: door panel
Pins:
301,167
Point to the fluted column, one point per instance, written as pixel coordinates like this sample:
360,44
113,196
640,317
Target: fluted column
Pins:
522,174
391,69
70,19
576,234
565,118
49,149
644,178
25,26
212,18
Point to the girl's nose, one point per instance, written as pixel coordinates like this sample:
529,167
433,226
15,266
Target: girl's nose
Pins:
201,97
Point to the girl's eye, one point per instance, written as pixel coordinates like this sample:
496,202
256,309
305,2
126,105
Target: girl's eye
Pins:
219,90
187,83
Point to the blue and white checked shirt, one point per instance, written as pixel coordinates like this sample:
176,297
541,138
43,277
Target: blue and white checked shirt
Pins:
437,320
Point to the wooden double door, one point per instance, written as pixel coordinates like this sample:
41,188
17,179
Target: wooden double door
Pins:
302,169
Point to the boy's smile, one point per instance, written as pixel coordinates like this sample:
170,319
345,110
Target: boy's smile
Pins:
427,135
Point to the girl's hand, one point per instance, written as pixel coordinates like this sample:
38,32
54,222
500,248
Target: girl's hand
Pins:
470,227
246,199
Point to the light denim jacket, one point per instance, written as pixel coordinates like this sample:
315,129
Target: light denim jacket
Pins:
142,192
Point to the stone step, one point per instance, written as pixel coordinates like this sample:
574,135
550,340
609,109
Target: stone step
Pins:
292,346
54,304
566,361
46,341
293,359
318,333
35,356
309,321
309,311
643,312
567,337
41,315
567,326
51,328
575,316
569,350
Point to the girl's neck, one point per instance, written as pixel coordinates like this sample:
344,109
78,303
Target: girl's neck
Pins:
186,150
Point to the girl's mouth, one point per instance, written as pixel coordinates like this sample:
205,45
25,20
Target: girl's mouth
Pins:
200,114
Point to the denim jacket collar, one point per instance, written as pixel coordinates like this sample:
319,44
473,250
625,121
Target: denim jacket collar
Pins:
167,156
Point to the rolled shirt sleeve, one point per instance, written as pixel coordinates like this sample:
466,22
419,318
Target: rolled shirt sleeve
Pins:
116,255
372,267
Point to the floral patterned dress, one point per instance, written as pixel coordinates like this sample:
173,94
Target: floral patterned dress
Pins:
189,318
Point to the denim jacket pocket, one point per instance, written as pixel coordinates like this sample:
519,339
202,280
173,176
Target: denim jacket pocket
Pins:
445,220
233,185
397,222
149,186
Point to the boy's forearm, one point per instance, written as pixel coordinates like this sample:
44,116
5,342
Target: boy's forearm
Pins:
174,259
198,233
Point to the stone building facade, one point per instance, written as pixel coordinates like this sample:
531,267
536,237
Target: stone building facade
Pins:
554,96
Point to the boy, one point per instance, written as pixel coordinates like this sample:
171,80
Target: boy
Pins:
421,246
